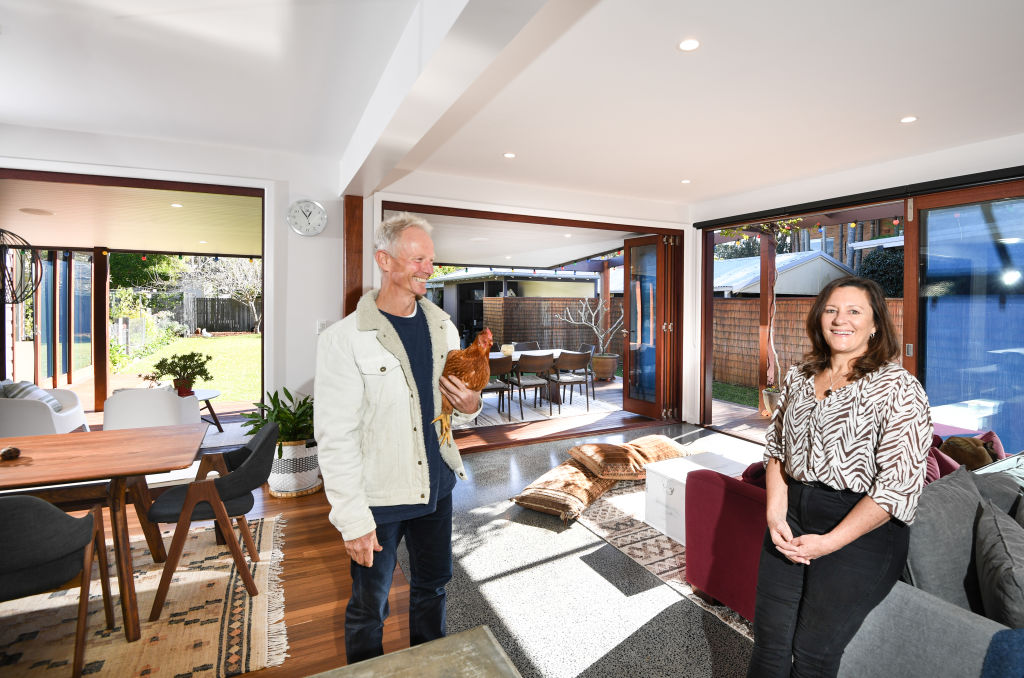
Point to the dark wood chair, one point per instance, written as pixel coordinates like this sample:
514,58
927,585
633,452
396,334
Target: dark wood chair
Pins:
590,348
499,383
45,548
571,369
218,499
526,346
531,372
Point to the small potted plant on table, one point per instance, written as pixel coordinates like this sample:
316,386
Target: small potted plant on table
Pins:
183,369
295,472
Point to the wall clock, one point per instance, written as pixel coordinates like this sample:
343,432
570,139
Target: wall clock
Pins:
307,217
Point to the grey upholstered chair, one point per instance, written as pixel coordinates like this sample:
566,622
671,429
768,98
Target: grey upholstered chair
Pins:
44,548
500,368
218,499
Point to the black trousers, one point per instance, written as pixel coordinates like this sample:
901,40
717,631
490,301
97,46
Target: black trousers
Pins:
806,615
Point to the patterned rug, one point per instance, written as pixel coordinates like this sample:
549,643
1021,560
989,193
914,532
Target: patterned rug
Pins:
210,626
617,517
490,416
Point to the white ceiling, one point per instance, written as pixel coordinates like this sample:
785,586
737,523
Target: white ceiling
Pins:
602,105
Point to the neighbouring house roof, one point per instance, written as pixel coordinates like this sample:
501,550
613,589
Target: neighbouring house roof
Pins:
800,273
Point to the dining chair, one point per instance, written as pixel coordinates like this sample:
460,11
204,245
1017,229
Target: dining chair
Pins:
142,407
500,368
590,348
44,549
218,499
531,372
526,346
571,369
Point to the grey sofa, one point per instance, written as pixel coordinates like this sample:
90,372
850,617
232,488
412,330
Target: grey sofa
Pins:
932,625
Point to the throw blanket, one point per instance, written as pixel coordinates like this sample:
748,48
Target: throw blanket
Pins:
1005,656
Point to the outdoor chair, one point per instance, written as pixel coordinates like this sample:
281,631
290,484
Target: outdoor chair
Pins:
590,349
44,549
526,346
142,407
571,369
218,499
531,372
500,368
28,417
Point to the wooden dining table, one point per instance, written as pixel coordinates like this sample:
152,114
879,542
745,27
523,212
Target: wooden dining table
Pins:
117,456
554,393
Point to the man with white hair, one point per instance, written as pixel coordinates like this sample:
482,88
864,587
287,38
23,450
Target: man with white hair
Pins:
387,476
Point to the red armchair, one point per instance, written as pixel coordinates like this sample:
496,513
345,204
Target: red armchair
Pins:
725,525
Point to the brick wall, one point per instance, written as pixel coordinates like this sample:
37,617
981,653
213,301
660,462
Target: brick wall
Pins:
513,319
736,332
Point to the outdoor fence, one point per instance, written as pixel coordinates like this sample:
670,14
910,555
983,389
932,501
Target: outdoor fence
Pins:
223,315
513,319
736,335
130,333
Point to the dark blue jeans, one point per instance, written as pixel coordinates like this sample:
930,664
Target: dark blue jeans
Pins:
429,541
806,615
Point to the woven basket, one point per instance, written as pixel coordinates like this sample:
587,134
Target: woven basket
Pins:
296,471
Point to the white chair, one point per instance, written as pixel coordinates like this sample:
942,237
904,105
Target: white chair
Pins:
142,407
25,417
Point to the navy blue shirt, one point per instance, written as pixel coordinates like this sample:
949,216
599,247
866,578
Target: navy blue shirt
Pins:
415,338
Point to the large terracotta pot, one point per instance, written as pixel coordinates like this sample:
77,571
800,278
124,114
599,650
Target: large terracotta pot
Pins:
605,365
296,472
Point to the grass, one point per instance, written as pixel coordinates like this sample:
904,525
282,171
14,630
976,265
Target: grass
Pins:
235,366
741,395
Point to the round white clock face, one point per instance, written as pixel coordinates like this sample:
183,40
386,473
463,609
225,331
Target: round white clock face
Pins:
307,217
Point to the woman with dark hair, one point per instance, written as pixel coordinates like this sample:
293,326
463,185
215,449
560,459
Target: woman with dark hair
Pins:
845,462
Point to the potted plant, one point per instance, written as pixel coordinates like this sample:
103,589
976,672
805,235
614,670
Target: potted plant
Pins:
295,471
183,368
594,317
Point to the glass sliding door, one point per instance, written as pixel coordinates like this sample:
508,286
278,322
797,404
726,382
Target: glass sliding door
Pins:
81,351
971,314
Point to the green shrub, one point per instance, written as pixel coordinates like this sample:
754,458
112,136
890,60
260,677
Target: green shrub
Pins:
885,267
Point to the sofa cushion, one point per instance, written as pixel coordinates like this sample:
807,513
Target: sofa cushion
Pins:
564,491
755,475
931,470
971,452
1000,488
940,556
626,461
999,548
29,391
996,444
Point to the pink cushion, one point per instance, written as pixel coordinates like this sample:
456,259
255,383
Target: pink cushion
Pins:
997,445
931,473
945,462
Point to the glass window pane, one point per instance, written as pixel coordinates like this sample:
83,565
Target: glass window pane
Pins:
82,348
63,264
972,312
44,317
643,278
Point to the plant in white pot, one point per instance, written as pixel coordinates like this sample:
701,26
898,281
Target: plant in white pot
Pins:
295,471
604,363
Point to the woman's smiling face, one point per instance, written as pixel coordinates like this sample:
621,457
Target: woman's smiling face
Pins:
848,322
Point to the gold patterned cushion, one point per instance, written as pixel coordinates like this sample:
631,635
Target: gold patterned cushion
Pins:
626,461
564,491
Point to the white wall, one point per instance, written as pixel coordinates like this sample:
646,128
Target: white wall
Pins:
544,288
303,275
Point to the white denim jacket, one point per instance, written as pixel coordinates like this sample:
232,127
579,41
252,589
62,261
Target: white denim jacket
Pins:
367,415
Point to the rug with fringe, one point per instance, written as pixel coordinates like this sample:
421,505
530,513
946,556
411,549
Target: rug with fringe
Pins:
210,626
617,517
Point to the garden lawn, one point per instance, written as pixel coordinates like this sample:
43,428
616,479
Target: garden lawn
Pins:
741,395
235,366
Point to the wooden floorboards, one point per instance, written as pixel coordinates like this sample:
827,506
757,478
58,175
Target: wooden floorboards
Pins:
522,433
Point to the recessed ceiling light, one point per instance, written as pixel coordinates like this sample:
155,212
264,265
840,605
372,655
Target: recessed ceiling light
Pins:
176,204
478,238
202,242
1009,241
685,181
908,119
507,256
567,235
1011,277
689,45
510,155
36,211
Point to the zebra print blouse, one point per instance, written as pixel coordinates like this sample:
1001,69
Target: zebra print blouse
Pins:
871,436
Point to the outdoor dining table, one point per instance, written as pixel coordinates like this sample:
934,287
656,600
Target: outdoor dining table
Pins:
554,393
117,456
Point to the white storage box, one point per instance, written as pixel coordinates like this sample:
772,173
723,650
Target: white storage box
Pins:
666,487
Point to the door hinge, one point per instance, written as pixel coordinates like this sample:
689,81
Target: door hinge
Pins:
910,350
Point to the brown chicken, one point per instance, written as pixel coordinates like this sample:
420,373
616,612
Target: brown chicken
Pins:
473,366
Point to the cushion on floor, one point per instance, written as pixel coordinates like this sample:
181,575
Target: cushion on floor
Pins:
564,491
626,461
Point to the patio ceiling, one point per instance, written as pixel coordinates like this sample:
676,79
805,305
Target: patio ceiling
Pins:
463,241
64,215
